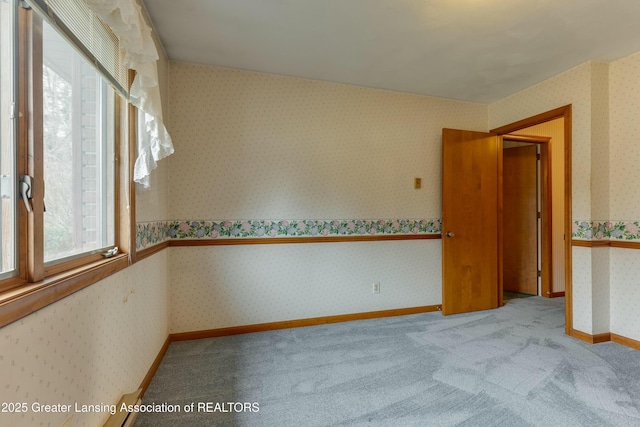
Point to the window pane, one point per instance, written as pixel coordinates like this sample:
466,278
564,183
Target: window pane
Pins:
7,146
78,152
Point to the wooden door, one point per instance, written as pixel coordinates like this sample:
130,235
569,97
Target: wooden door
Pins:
470,219
520,233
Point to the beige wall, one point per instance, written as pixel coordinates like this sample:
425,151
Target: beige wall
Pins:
265,147
261,146
625,134
624,175
89,348
600,191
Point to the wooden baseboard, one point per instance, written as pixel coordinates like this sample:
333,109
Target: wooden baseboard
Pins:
606,337
582,336
556,294
598,338
591,339
625,341
154,367
262,327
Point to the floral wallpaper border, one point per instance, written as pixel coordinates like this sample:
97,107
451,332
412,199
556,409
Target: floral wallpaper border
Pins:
153,233
606,230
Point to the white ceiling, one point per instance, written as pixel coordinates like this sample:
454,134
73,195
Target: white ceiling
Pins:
473,50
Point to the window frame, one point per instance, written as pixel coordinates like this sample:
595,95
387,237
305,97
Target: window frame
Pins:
37,285
60,264
8,162
11,278
38,268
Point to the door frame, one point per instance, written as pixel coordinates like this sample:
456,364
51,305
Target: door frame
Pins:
565,113
546,238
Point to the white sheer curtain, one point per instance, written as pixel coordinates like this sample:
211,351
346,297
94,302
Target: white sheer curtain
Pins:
127,22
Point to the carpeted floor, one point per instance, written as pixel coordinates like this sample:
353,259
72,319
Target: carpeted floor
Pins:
509,295
507,367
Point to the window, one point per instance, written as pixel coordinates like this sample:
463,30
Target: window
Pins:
66,164
78,152
72,156
59,170
8,179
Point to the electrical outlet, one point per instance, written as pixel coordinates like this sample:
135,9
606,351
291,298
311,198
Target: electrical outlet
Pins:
417,183
376,288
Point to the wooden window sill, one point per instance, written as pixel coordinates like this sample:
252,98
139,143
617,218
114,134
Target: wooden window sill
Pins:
20,302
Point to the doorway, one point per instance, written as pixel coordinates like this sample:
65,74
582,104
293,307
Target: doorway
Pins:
526,225
561,190
467,221
552,260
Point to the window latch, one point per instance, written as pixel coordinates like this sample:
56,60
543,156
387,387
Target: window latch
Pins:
111,252
25,190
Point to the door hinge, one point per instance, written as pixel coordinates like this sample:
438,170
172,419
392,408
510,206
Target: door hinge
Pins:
537,156
539,215
539,273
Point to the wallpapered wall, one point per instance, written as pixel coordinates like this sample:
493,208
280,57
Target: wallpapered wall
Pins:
624,178
261,146
252,146
89,348
625,133
600,201
221,286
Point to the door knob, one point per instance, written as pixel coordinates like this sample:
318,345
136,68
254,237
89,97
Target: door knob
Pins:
450,234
